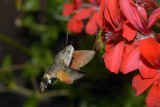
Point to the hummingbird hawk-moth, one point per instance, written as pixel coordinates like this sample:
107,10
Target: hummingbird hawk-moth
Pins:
66,65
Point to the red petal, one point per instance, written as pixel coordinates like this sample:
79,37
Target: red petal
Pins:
154,17
99,21
128,31
68,9
84,14
77,3
102,5
92,26
153,98
143,12
131,12
109,46
113,57
104,27
110,12
112,7
140,85
158,51
74,25
146,70
148,50
131,57
110,15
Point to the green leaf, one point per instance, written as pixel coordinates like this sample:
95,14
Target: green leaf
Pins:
7,61
6,75
29,22
51,35
31,5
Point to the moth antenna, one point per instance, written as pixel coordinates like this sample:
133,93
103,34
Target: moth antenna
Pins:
67,40
55,82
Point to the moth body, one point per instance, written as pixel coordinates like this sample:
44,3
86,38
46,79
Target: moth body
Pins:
65,57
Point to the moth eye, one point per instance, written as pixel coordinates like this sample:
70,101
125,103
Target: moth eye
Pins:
62,61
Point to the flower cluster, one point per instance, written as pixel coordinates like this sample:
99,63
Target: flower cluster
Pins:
130,41
81,11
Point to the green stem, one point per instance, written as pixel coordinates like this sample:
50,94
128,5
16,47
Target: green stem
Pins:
15,44
27,92
19,67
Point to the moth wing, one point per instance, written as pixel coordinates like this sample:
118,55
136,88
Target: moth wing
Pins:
63,77
81,58
74,74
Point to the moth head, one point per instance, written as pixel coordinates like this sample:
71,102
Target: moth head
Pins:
67,54
69,51
44,82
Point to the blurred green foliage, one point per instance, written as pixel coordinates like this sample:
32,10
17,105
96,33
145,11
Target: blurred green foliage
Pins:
44,22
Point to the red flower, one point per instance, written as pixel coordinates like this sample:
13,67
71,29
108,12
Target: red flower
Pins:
114,21
131,12
149,70
122,56
110,13
83,12
75,24
116,24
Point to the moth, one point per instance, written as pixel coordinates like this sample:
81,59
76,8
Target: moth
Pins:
66,65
